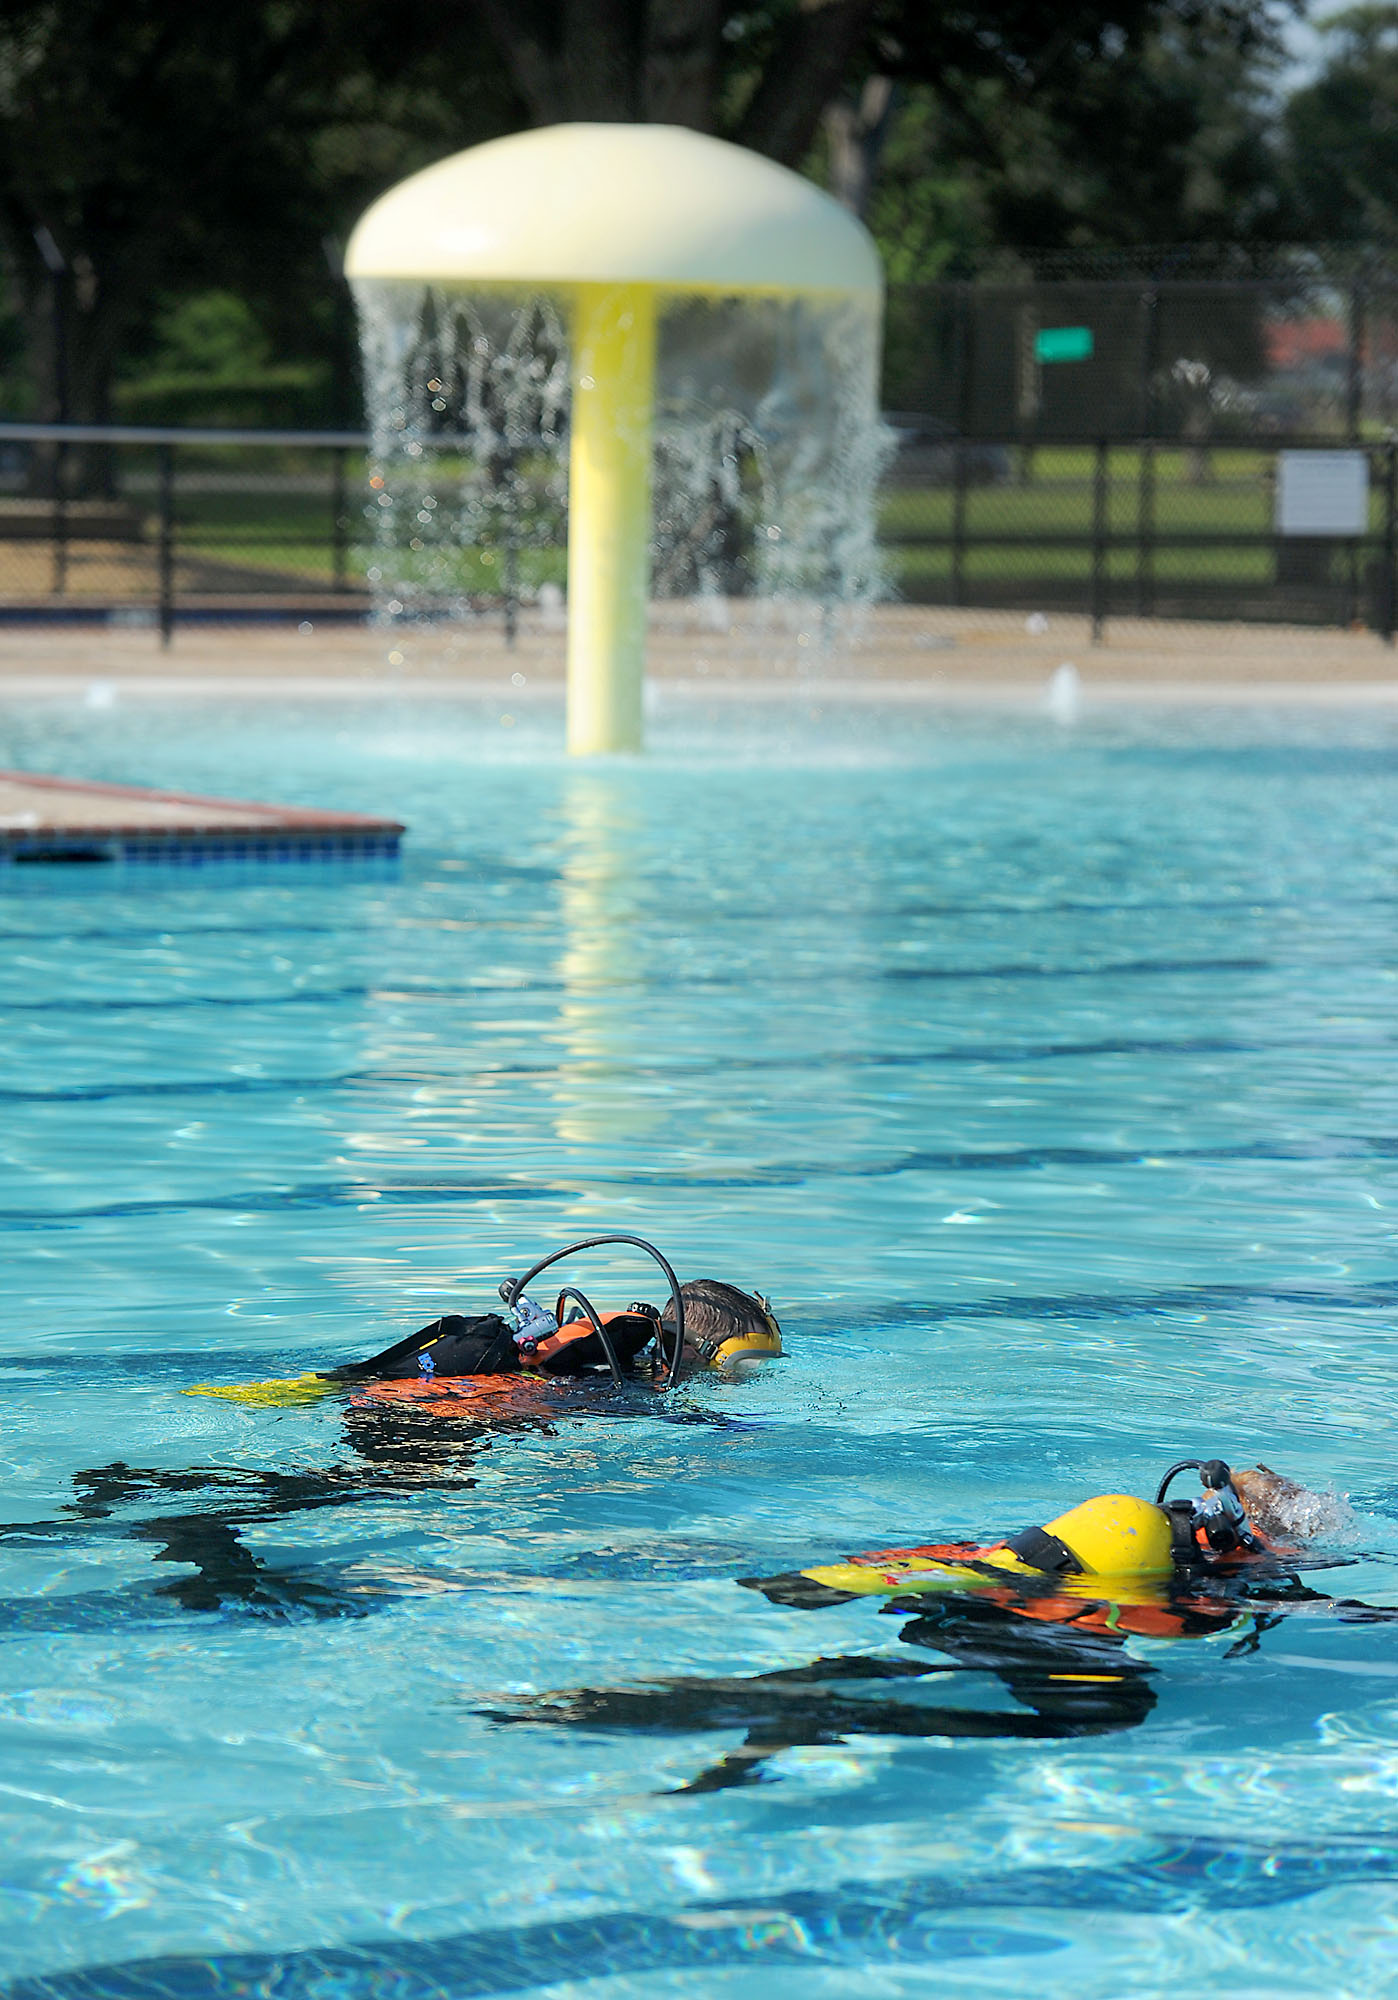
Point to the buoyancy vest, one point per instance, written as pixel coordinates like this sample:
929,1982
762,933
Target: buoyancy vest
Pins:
575,1348
455,1344
484,1344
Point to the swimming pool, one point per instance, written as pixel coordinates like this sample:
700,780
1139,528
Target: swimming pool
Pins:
1046,1079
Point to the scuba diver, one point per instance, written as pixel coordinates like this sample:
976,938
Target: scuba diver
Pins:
416,1417
705,1323
1050,1613
1115,1547
720,1324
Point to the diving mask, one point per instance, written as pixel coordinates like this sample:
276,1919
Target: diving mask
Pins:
755,1343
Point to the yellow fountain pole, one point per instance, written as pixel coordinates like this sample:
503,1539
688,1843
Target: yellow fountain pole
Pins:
609,515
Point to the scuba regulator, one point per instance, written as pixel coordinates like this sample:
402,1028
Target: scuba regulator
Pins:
533,1323
1218,1514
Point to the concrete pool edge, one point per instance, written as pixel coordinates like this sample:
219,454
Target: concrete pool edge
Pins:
897,652
799,694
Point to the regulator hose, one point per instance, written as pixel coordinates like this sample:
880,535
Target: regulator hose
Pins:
512,1287
1215,1474
571,1292
1180,1465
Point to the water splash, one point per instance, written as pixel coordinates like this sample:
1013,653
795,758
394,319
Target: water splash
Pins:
1290,1512
768,449
467,400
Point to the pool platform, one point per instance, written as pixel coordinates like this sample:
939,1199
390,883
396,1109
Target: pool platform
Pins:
46,819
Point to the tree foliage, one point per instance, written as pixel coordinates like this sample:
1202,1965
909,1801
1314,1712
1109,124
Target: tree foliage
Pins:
764,74
1160,135
164,152
159,150
1343,131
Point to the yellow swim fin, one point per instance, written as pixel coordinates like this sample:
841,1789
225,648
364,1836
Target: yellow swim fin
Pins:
291,1390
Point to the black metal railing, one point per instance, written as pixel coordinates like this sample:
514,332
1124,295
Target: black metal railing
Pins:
1142,527
147,525
151,522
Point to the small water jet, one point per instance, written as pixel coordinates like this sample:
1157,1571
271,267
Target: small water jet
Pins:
1063,698
694,326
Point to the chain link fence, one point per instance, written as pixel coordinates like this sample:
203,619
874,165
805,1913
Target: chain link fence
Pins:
1109,441
1311,349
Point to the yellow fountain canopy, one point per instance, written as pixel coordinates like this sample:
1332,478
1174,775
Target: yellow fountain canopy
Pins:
616,204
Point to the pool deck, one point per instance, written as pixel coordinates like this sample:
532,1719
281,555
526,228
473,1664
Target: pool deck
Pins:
723,651
48,818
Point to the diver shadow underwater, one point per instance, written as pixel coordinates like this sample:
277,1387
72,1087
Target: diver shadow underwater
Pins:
1049,1615
416,1418
396,1453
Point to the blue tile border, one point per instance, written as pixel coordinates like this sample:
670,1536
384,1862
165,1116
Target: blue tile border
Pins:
284,848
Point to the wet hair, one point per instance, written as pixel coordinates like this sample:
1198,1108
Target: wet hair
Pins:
1290,1512
718,1312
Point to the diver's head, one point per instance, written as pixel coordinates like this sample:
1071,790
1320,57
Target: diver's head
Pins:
1257,1502
723,1325
1285,1511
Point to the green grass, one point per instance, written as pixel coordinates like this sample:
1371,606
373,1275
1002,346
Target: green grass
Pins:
1058,498
286,530
291,533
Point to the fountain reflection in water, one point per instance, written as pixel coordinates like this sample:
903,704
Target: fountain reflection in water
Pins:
767,449
600,1115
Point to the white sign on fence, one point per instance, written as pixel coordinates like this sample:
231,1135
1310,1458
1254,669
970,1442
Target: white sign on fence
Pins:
1322,492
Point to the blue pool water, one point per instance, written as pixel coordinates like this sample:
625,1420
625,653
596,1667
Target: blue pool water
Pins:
1046,1079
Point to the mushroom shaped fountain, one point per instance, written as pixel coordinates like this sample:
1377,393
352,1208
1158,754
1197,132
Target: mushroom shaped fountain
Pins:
609,222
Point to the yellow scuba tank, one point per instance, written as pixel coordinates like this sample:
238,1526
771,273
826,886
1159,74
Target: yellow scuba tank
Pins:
1116,1535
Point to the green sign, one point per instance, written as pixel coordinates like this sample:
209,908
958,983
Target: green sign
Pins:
1063,343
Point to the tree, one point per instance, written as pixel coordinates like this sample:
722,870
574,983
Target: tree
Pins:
149,150
1343,131
1160,133
764,75
759,75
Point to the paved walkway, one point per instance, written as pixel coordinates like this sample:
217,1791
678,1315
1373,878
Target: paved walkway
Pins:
903,650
